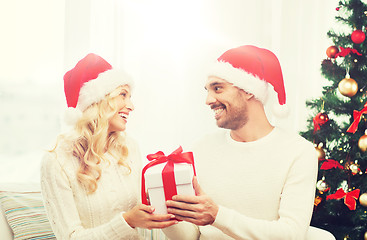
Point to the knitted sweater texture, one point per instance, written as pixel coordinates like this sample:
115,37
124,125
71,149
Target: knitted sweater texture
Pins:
264,189
75,214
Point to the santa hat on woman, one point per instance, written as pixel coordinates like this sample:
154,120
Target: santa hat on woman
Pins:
88,82
256,71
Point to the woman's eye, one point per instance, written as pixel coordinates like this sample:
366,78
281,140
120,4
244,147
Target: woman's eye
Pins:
123,94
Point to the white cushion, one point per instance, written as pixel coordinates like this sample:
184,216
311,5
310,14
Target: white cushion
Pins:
5,230
22,212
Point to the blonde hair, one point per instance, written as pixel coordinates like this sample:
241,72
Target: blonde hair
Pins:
93,140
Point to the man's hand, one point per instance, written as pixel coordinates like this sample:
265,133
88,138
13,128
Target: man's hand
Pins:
142,216
200,209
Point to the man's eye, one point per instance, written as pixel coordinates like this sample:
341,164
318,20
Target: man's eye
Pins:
217,88
123,94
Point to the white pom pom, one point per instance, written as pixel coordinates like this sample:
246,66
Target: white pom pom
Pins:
72,115
280,111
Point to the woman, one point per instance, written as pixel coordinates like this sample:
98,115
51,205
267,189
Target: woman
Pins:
90,180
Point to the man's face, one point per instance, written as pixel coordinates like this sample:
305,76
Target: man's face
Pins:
228,103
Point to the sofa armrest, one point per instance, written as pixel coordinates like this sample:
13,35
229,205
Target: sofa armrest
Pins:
5,230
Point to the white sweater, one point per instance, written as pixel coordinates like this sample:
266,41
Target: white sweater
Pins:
265,188
73,213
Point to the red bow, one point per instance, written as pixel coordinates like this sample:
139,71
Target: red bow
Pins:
345,51
168,176
357,118
329,164
349,197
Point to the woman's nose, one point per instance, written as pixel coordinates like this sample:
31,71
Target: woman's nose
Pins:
130,105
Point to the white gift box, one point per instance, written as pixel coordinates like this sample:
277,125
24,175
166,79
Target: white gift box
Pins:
154,184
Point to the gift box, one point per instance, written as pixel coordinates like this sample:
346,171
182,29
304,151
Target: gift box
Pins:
166,176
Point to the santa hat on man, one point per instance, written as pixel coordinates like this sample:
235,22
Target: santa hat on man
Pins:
88,82
256,71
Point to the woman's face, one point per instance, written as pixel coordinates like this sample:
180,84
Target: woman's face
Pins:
124,107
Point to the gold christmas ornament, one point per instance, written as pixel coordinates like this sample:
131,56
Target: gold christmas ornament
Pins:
348,86
320,153
363,199
365,236
362,143
332,51
317,201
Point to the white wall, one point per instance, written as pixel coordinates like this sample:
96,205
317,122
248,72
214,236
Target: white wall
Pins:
168,45
165,45
32,48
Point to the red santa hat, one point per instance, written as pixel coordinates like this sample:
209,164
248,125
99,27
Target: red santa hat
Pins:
88,82
256,71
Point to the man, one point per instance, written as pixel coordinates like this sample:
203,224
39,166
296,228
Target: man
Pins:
259,180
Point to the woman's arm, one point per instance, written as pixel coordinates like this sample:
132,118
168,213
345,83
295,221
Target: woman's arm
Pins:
63,213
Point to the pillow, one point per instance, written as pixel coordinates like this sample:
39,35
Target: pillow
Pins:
26,215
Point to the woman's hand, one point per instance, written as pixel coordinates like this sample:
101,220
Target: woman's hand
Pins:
142,216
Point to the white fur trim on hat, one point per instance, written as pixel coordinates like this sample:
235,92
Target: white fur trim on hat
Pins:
241,79
95,90
72,115
280,111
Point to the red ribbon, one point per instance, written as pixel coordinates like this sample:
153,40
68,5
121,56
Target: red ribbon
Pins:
319,120
349,197
357,118
329,164
168,175
345,51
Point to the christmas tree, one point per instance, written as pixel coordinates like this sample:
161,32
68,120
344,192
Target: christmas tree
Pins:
338,128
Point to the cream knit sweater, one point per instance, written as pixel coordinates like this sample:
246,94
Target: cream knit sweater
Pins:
73,213
265,188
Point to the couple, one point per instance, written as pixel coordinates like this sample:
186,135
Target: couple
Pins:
255,181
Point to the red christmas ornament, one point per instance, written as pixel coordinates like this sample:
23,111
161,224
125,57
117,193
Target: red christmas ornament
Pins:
332,51
358,36
337,9
319,120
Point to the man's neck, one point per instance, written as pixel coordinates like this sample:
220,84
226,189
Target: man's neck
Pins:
251,132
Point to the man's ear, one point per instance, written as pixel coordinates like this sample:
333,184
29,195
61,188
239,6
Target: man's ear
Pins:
247,95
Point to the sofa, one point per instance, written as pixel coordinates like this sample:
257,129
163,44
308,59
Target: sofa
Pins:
22,216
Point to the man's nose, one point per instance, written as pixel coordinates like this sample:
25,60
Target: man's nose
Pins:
210,99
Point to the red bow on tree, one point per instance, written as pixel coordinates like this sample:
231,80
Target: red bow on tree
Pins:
357,118
345,51
329,164
168,175
349,197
